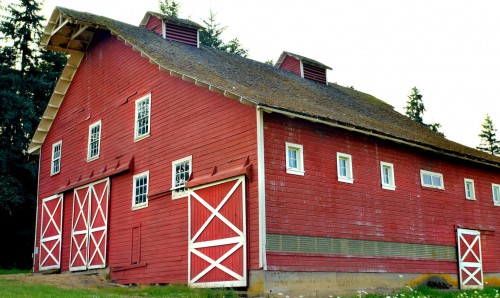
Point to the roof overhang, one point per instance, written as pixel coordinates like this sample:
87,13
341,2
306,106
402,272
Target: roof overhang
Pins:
71,37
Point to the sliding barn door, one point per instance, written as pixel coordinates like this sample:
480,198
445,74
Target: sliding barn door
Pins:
469,259
51,233
89,226
217,234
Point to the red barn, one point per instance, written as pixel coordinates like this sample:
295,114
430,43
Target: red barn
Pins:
165,161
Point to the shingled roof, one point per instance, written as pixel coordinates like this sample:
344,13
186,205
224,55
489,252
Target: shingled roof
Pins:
270,88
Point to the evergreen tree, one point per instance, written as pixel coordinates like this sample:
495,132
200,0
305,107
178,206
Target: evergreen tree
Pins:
211,37
27,78
489,142
415,110
169,8
415,106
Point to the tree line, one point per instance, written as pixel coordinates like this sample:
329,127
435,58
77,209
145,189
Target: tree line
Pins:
415,109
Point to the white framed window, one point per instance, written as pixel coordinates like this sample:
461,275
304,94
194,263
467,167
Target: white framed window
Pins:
56,158
431,179
470,192
387,175
495,189
94,146
344,168
181,171
294,159
140,190
142,117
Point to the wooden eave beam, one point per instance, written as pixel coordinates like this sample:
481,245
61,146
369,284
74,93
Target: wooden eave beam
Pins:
80,31
59,27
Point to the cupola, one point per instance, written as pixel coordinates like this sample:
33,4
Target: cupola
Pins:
305,67
171,28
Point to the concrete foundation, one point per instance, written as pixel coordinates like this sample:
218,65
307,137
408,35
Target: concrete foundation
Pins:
332,284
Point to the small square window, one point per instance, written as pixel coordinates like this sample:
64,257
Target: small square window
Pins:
294,159
142,117
431,179
387,175
344,168
140,195
94,141
181,171
495,188
470,193
56,158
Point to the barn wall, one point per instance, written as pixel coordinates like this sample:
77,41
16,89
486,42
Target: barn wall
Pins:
316,223
186,120
291,64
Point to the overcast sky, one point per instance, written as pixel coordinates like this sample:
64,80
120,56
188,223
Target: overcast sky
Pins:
449,50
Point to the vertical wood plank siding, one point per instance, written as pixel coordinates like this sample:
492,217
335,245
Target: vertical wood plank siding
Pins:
318,205
314,73
291,64
185,120
155,24
182,34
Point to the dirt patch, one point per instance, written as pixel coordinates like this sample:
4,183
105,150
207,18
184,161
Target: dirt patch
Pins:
66,281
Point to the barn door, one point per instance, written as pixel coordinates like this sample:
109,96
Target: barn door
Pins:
469,259
51,232
89,226
217,234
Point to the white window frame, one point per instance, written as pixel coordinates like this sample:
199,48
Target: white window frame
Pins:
392,184
138,137
134,191
349,178
299,170
90,158
176,194
496,201
473,190
432,174
53,160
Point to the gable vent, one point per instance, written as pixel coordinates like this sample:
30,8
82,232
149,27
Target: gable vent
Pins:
305,67
175,29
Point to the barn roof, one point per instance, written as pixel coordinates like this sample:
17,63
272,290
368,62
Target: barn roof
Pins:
251,82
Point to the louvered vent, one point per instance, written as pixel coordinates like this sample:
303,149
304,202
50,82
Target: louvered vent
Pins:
181,34
305,67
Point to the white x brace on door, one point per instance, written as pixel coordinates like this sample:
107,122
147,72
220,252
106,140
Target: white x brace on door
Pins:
469,259
217,234
89,226
51,233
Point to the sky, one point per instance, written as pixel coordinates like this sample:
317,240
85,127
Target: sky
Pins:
449,50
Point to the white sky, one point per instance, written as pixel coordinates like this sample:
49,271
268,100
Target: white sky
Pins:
450,50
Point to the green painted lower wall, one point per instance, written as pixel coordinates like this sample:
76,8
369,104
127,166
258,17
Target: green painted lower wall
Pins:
340,246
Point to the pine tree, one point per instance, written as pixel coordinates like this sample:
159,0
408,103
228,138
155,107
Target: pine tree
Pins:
169,8
415,110
211,37
27,78
415,106
489,142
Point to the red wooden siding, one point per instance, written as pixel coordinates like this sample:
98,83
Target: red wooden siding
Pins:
314,73
291,64
181,34
186,120
318,205
155,24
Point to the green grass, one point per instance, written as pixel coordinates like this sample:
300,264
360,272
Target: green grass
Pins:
13,271
15,288
425,292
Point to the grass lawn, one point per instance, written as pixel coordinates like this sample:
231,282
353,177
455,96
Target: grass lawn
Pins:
13,271
16,288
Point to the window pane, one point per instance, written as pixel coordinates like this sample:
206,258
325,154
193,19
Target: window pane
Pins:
427,179
292,158
436,180
343,167
386,178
